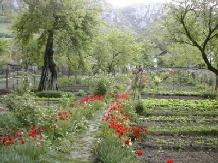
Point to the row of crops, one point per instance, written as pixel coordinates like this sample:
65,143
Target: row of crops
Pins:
178,126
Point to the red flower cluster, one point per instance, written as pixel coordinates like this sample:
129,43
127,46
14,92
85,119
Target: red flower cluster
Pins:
87,99
36,133
138,132
169,161
117,119
18,136
64,115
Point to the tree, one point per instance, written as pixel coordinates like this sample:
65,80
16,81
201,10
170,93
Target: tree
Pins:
29,54
195,23
181,55
146,57
4,50
56,23
116,49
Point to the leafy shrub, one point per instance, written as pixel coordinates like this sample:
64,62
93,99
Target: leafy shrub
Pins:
110,150
81,93
64,81
139,107
64,146
102,85
34,89
27,152
9,122
53,94
79,80
22,106
27,111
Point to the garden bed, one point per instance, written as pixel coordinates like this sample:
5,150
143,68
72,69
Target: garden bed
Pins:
182,133
172,96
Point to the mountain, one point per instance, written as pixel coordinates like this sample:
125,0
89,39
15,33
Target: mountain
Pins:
135,17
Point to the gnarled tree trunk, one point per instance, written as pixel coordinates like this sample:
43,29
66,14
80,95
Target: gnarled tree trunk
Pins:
48,79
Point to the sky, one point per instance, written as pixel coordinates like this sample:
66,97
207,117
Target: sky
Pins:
123,3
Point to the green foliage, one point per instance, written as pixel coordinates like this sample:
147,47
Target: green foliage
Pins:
211,94
139,107
79,80
64,81
34,89
22,106
64,146
115,49
192,20
53,94
102,85
27,111
9,122
81,93
110,150
19,153
93,107
130,109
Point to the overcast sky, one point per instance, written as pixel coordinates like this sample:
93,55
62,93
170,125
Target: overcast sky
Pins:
121,3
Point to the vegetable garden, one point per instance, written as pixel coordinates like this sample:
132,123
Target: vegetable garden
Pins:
107,125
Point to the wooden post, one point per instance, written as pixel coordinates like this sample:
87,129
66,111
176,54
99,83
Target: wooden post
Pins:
6,76
17,77
34,77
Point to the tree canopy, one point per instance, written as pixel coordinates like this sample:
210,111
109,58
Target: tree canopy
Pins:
195,23
55,24
114,49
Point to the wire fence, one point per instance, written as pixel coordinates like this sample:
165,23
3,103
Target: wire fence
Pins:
13,79
171,79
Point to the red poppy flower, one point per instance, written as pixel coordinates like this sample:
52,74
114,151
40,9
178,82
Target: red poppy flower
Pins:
127,141
139,152
169,161
5,138
23,141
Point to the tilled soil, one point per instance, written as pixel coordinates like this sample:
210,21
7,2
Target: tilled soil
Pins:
179,148
189,148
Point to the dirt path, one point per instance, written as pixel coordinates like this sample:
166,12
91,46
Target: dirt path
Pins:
82,148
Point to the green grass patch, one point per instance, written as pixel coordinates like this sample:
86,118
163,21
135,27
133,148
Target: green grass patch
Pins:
184,130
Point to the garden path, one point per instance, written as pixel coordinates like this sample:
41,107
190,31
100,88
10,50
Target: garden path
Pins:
83,146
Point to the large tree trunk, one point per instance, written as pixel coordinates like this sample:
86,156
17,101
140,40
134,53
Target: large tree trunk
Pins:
216,84
48,79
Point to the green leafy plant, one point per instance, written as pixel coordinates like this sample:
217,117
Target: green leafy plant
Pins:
102,85
81,93
139,107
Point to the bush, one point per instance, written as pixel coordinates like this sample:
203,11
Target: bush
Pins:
9,122
23,107
139,107
79,80
102,86
27,111
65,81
34,89
51,94
81,93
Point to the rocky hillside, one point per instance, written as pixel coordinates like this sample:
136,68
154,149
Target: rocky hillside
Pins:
134,17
